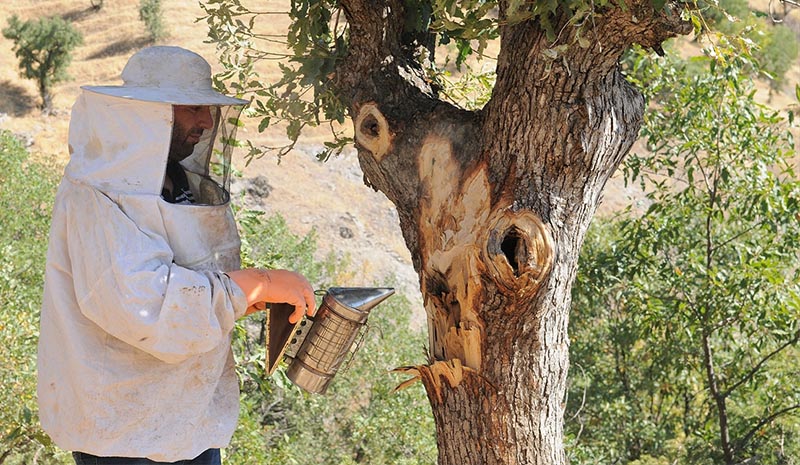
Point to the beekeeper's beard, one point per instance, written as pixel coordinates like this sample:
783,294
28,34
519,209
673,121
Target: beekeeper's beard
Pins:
183,141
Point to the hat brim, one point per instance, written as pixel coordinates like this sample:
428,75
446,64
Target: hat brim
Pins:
166,95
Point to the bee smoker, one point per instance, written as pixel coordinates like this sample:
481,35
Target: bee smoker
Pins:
317,346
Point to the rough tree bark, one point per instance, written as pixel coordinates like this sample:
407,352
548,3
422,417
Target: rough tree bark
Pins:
493,206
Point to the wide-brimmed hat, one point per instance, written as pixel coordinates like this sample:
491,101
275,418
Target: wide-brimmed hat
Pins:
170,75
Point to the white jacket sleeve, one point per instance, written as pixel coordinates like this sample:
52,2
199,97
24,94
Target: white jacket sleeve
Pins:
125,281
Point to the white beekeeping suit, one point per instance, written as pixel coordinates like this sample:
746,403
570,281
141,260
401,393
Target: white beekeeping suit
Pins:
134,354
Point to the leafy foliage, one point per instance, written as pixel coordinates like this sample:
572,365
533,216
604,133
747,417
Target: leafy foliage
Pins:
774,46
44,48
458,30
360,419
304,96
686,317
25,204
778,49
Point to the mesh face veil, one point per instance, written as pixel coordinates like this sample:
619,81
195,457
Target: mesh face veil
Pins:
208,168
168,77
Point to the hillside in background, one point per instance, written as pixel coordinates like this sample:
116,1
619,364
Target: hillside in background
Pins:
350,219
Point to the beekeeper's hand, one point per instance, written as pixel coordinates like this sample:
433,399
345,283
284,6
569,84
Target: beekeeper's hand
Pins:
275,286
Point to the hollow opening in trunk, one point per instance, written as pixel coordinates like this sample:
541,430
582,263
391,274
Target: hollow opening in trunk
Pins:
370,126
513,247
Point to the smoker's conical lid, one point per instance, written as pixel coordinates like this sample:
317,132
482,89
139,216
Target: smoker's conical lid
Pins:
361,298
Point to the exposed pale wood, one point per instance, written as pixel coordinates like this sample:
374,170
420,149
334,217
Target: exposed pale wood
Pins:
372,131
519,250
435,375
454,211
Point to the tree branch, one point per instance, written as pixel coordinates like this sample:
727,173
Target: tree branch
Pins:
743,442
758,366
375,30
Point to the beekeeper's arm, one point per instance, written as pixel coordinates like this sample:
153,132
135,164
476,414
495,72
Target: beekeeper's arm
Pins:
125,281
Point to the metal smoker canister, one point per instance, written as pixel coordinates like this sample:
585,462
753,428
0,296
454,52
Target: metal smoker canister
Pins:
339,319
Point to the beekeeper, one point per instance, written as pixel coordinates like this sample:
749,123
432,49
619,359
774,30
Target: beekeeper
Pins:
142,283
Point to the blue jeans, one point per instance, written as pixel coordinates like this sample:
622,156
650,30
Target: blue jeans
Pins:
209,457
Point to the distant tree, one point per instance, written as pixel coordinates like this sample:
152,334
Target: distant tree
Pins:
718,11
685,324
96,4
778,51
150,13
44,48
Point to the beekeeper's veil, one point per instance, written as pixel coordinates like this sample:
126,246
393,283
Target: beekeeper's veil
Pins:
122,133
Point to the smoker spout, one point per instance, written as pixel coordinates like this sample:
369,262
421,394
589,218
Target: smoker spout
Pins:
361,298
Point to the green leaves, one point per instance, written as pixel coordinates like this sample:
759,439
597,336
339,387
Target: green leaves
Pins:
150,13
698,288
44,49
317,38
303,96
468,23
773,46
25,203
360,415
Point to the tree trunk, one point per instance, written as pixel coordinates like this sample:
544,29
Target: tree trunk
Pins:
494,206
719,398
47,99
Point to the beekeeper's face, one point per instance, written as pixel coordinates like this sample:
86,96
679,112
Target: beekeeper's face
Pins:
187,128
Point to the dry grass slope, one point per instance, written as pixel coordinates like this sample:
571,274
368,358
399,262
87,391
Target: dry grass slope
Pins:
328,197
351,220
